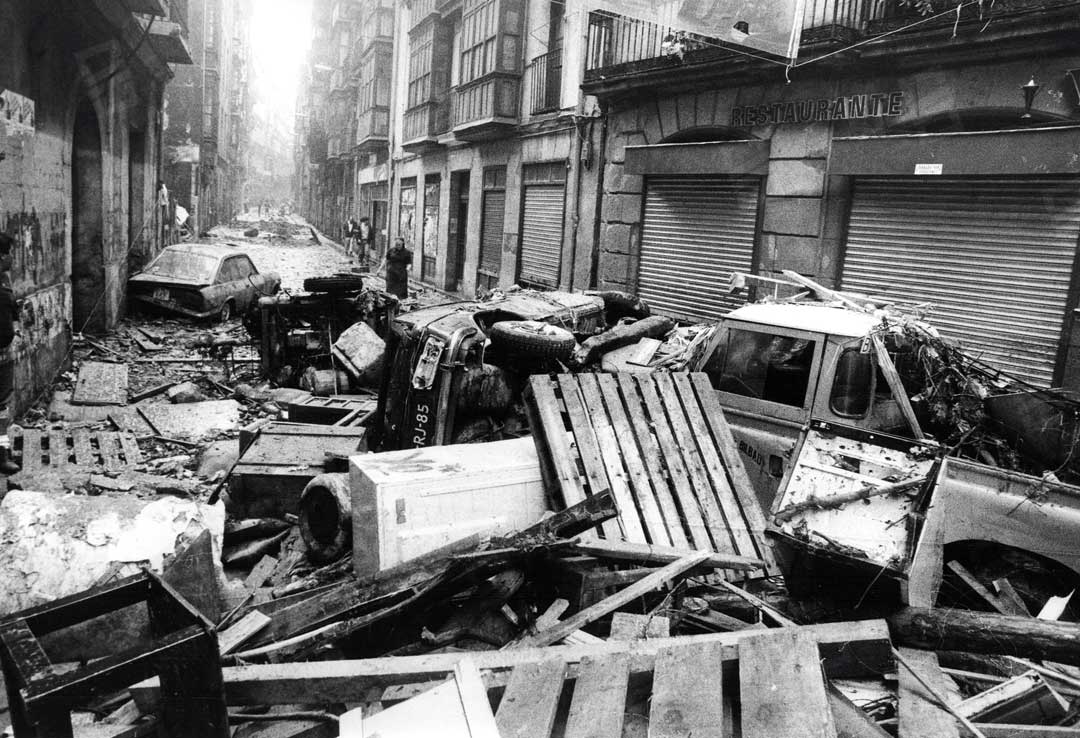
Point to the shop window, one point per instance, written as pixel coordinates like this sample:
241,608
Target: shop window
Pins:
767,367
852,384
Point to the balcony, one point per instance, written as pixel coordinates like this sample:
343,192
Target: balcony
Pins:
544,74
624,53
422,126
487,108
372,130
421,11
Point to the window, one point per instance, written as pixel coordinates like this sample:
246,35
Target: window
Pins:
479,34
767,367
244,267
852,384
420,53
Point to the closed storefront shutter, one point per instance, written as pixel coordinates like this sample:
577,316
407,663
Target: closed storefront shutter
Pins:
492,232
992,256
696,232
541,235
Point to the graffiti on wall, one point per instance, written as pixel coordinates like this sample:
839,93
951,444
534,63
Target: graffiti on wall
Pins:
17,112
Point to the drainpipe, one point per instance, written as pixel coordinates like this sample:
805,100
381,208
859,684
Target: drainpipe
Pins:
601,164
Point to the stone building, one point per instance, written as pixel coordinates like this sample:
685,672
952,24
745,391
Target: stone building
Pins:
207,110
81,86
922,159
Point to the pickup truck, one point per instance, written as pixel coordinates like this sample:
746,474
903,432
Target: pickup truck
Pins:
815,416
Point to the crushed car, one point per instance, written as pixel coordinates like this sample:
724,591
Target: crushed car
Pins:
201,281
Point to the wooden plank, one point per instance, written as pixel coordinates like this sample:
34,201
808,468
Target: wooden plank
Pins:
599,701
231,638
31,449
920,714
130,448
850,719
108,447
729,452
588,448
613,458
1002,730
528,705
651,517
84,453
101,383
781,686
260,572
892,378
686,696
650,451
737,526
998,603
617,600
848,650
759,603
59,451
1007,592
626,626
721,533
474,701
650,554
698,533
554,432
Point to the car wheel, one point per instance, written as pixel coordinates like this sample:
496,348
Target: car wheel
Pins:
226,312
534,339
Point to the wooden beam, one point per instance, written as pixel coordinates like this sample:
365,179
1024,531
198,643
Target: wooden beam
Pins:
885,364
919,712
848,650
653,554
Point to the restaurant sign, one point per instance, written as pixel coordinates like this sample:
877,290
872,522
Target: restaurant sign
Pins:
845,107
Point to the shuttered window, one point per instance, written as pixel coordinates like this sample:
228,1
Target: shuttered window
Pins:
993,256
696,231
542,224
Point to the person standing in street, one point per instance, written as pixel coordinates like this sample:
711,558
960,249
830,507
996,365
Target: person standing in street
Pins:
163,210
9,311
364,235
349,234
398,261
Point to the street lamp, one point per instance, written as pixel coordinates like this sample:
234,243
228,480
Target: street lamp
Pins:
1030,89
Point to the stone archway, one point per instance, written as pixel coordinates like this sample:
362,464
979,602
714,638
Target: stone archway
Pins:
88,227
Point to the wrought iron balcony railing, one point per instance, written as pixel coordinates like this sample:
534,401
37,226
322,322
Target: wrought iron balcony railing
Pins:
545,82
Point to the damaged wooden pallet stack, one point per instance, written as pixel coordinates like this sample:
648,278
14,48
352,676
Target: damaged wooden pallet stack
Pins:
660,444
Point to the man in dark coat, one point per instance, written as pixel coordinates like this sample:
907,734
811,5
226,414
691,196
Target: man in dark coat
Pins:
398,260
8,314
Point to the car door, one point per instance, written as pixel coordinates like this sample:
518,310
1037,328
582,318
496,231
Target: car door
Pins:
249,281
228,282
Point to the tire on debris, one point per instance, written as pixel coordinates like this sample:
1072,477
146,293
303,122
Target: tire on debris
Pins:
326,517
533,339
335,283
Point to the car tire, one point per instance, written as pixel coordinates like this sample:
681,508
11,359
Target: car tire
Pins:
533,339
336,283
225,314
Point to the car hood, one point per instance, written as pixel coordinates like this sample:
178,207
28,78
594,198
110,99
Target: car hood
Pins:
153,280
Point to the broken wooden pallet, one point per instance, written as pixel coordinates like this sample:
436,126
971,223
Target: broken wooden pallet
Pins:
34,449
661,444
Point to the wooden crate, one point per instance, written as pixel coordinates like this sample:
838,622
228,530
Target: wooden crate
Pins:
33,449
660,443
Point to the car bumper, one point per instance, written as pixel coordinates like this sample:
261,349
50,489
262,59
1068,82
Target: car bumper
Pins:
173,307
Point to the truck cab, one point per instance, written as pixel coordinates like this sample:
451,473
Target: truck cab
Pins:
777,365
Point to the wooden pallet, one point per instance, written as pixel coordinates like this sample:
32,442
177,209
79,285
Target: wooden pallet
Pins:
343,410
660,443
34,449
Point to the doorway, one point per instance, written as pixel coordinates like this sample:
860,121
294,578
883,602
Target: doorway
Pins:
459,229
87,231
139,237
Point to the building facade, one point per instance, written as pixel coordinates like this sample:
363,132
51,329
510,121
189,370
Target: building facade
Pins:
81,87
207,111
932,164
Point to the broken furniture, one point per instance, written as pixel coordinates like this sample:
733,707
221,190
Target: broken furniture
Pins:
660,443
332,410
406,503
34,449
278,460
184,656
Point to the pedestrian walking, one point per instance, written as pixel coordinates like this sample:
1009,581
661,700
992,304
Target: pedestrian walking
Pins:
364,237
163,211
9,311
398,262
349,235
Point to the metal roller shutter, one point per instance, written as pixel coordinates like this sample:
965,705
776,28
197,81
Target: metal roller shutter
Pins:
697,231
492,231
541,235
994,256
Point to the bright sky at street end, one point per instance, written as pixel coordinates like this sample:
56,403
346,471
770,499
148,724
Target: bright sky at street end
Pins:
280,38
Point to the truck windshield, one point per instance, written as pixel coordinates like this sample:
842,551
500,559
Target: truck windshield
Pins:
767,367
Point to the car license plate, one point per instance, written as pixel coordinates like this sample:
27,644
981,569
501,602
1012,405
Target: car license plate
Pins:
161,294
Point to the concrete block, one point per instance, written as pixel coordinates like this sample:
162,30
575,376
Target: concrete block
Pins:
614,266
616,180
622,208
616,238
706,109
797,253
616,149
650,124
794,216
809,140
669,119
686,112
796,178
406,503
